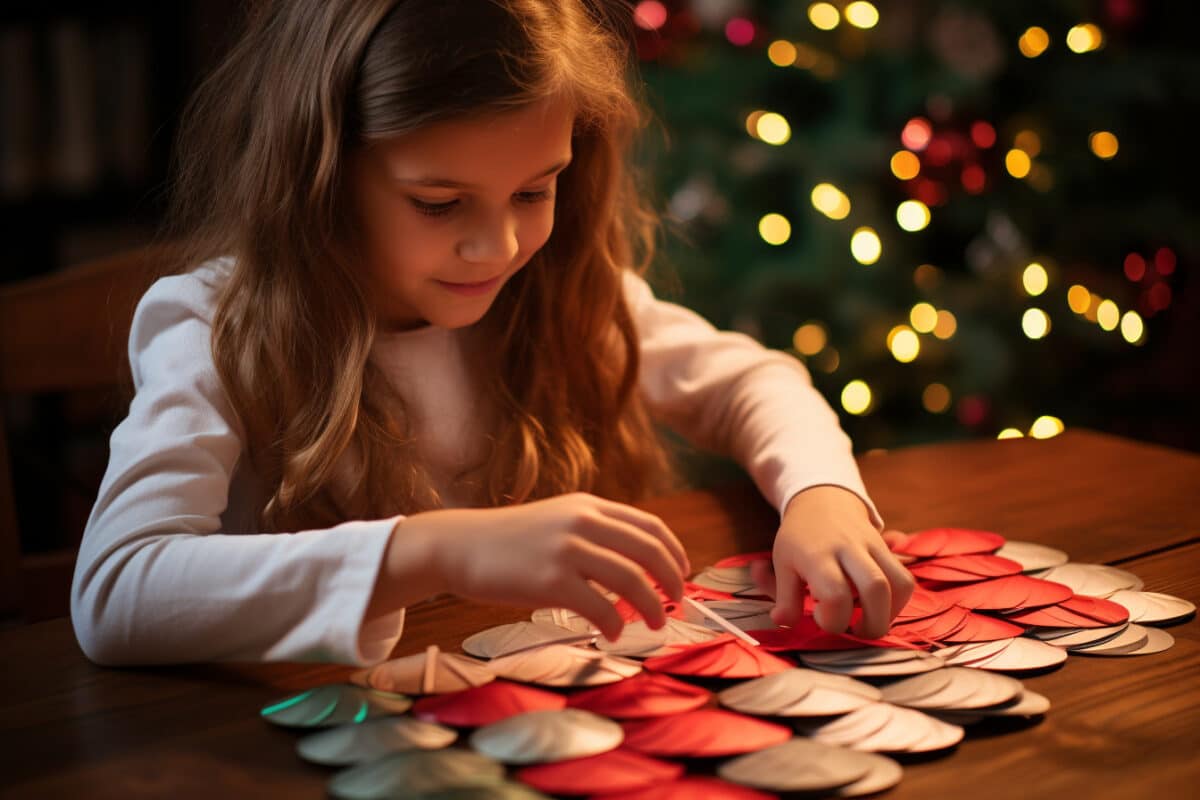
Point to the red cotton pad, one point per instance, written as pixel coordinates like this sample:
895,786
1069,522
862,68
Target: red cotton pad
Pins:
690,788
934,628
949,542
922,605
1080,611
647,694
723,657
1003,594
619,770
483,705
960,569
702,733
982,628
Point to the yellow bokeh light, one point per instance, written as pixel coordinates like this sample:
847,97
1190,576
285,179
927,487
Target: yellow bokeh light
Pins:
927,276
856,397
1108,316
1078,298
1035,323
906,165
782,53
824,16
904,344
1033,42
1017,163
1046,427
774,229
946,325
935,398
1103,144
862,14
1132,327
1028,141
830,201
1084,38
1035,279
865,246
772,128
752,122
810,338
923,317
1010,433
912,215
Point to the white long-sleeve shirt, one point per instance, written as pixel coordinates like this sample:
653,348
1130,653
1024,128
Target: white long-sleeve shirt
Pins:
172,568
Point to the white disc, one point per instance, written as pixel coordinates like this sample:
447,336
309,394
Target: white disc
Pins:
1094,580
921,662
509,638
797,765
1156,641
539,737
374,738
564,665
1024,654
1032,556
1076,637
1153,608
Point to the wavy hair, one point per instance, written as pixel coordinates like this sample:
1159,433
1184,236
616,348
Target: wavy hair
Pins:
259,175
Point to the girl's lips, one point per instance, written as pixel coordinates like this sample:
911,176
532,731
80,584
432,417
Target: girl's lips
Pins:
470,289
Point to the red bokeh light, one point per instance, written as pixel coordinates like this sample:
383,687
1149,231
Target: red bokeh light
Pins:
1135,267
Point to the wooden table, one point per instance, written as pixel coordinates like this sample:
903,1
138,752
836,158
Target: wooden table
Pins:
1118,728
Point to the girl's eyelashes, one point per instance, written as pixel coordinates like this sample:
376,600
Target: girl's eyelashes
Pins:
441,209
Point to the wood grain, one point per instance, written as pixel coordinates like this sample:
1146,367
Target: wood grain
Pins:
1118,728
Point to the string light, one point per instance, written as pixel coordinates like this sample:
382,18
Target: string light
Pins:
904,344
1017,163
1085,38
774,229
1108,316
772,128
752,122
856,397
946,324
1135,267
923,317
1035,279
739,31
650,15
782,53
824,16
905,165
810,338
936,398
865,246
1079,298
983,134
1132,327
927,276
974,179
861,14
1028,141
1010,433
1103,144
830,201
1035,323
1033,42
1046,427
912,215
916,134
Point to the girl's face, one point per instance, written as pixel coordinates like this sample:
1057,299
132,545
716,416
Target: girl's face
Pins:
447,214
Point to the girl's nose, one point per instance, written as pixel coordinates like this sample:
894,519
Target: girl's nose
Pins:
492,240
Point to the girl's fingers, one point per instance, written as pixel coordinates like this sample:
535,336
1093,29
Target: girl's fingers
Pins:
789,597
898,576
874,592
763,577
834,603
623,576
653,526
641,547
586,601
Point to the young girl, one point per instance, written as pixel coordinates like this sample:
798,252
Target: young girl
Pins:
408,351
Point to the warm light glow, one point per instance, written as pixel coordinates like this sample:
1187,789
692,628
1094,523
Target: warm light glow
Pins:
916,134
923,317
905,165
904,343
865,246
739,31
1033,42
974,179
1035,279
1035,323
1093,306
828,360
912,215
1041,178
861,14
1132,327
935,398
752,122
1078,298
946,325
983,134
772,128
650,15
856,397
1028,141
1108,316
1135,267
810,338
774,229
927,276
1084,38
782,53
824,16
1017,163
1010,433
830,201
1103,144
1046,427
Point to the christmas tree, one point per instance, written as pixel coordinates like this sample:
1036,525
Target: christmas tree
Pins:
967,219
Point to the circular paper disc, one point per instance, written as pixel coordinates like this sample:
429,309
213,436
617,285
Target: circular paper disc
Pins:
365,741
414,771
797,765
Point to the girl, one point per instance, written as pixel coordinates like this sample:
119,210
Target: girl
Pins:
417,355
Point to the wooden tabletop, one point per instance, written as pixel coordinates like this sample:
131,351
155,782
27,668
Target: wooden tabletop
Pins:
1117,728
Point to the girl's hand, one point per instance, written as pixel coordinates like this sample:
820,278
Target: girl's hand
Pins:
827,545
544,553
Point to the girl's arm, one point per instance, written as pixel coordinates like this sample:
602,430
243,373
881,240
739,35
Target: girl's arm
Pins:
169,569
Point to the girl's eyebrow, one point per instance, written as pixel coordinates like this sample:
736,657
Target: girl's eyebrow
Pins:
449,184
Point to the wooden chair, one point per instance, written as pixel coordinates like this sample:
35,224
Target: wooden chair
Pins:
59,333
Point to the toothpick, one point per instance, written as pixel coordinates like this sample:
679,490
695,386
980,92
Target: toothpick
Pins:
724,623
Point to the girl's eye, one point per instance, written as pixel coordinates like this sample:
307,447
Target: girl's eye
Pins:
441,209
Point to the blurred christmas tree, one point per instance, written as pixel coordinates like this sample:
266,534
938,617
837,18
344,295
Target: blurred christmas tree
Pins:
968,219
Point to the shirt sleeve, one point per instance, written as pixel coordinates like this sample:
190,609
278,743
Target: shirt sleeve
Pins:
727,393
158,579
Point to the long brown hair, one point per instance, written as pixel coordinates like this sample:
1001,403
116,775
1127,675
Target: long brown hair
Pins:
259,176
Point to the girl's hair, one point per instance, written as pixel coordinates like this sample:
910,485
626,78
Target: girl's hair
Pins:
260,168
